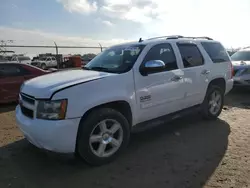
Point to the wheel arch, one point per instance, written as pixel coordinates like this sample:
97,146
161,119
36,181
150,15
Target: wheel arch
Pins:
120,105
218,82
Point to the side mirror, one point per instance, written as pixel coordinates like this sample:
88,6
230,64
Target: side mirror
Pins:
152,66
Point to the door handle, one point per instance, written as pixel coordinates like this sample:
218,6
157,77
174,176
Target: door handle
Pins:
176,78
205,72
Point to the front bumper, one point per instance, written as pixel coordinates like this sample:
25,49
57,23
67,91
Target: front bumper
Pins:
240,82
57,136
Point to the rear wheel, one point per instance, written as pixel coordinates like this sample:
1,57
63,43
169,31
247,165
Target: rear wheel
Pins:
102,136
213,102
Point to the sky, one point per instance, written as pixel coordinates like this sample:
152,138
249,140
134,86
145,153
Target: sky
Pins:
90,22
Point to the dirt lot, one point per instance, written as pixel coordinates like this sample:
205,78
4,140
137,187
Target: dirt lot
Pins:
189,152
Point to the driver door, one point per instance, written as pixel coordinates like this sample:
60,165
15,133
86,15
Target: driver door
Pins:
159,93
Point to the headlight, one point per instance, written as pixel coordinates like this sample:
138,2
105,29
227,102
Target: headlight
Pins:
52,110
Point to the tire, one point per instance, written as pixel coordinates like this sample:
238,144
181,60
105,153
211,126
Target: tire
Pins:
90,127
43,66
208,103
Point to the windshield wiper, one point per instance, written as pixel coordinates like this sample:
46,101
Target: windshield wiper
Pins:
97,69
86,68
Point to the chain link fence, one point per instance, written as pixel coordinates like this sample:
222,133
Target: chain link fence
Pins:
58,51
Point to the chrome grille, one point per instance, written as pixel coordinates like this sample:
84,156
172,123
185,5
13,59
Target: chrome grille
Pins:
27,112
28,98
27,104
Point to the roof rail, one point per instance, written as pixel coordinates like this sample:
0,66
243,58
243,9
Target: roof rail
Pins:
179,36
208,38
167,37
245,47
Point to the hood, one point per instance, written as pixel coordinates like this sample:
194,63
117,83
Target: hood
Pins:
44,86
240,63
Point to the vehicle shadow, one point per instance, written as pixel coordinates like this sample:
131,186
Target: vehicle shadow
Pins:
183,153
238,97
7,107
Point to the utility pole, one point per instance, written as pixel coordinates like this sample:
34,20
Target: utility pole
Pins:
100,46
57,56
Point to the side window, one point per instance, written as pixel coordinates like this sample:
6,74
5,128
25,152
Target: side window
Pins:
14,59
216,52
10,70
53,59
162,52
191,55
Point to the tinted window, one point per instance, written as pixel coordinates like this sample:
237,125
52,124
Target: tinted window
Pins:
191,55
12,70
241,56
216,52
162,52
9,70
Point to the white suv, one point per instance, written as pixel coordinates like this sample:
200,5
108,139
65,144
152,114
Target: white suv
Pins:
91,112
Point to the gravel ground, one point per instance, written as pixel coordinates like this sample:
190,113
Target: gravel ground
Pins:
189,152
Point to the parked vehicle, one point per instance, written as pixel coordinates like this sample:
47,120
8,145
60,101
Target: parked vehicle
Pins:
45,62
241,64
91,112
12,75
21,59
71,61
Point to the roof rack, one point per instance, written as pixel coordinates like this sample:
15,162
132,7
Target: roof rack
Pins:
167,37
177,37
208,38
245,47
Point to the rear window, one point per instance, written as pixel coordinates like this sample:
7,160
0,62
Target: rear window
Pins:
216,51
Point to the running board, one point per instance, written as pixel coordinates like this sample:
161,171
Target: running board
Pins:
164,119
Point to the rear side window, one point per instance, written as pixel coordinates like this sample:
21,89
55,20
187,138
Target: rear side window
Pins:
216,52
191,55
165,53
12,70
9,70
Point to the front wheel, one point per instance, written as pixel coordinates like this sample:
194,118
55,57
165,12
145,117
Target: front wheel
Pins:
213,102
102,136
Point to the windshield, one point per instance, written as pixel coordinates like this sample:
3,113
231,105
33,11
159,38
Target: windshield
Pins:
23,58
241,56
118,59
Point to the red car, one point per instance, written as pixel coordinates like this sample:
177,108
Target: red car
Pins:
12,75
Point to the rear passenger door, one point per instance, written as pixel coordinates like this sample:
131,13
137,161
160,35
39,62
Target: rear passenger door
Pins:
195,71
